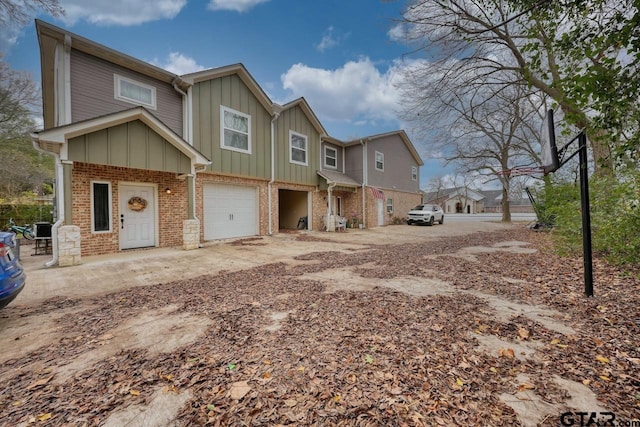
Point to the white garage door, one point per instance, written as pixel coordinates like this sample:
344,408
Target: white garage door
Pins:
229,211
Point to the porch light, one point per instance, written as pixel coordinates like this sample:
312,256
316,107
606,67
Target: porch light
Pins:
167,190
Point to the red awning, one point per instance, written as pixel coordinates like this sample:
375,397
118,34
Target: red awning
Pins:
377,194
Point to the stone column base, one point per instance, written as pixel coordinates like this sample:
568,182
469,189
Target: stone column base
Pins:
69,247
190,234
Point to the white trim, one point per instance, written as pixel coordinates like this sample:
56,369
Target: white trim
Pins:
117,79
335,157
414,173
222,128
375,160
387,208
306,149
109,206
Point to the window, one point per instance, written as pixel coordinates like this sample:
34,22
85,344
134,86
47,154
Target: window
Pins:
297,148
414,173
235,129
379,161
389,206
331,157
100,207
134,92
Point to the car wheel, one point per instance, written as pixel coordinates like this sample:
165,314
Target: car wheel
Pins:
442,219
409,222
430,221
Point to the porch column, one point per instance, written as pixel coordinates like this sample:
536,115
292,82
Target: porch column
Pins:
191,226
67,168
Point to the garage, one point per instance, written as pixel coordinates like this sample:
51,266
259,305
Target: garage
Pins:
229,211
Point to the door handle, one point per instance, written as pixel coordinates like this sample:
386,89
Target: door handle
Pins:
122,221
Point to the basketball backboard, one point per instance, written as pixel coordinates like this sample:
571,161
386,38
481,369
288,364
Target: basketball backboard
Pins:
550,160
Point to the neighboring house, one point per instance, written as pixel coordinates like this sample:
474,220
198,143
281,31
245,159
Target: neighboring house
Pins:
457,200
493,202
147,158
463,200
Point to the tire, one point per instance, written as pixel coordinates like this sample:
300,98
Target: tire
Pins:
28,234
430,221
441,219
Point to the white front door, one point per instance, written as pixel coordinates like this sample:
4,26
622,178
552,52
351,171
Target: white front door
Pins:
137,221
380,212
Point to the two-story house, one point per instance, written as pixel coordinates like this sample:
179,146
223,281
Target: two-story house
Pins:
147,158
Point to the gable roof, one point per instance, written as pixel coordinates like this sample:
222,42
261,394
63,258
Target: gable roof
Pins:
449,193
53,139
403,136
98,50
306,108
228,70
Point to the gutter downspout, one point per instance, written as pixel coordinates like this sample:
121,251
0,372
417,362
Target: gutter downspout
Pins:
273,169
364,181
59,194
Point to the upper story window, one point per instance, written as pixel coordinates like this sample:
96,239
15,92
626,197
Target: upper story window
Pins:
235,130
297,148
134,92
414,173
331,157
379,161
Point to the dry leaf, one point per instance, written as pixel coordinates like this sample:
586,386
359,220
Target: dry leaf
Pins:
39,383
134,392
602,359
506,352
523,333
44,417
290,403
599,342
526,386
555,341
605,378
239,389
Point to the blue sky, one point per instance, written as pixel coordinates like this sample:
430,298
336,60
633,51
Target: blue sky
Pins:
344,56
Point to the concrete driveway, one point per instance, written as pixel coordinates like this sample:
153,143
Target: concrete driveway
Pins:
108,273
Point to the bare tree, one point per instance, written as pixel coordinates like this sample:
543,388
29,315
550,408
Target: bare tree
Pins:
494,42
19,12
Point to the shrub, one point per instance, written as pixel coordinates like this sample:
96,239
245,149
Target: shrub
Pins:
615,217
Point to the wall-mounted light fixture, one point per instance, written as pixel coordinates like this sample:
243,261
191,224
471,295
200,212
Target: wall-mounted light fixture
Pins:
167,190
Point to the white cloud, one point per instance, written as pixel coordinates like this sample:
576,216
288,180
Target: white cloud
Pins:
328,41
356,92
234,5
120,12
178,63
397,33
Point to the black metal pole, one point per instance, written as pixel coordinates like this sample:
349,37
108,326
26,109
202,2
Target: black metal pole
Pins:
587,256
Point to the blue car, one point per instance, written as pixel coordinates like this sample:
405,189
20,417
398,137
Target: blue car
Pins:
12,277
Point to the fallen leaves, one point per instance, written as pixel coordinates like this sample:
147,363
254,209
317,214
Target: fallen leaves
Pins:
375,357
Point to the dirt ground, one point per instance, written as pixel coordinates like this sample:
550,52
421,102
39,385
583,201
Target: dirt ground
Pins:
459,324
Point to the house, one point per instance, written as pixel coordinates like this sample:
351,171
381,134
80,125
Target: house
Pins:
371,180
457,200
464,200
147,158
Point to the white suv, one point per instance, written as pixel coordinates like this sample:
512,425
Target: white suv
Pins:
425,214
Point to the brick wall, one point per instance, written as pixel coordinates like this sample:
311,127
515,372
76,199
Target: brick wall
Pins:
172,208
403,202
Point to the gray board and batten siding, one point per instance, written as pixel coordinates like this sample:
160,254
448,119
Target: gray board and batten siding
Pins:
231,92
398,161
93,94
294,119
339,156
132,145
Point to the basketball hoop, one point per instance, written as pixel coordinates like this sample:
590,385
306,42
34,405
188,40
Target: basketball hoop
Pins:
519,171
